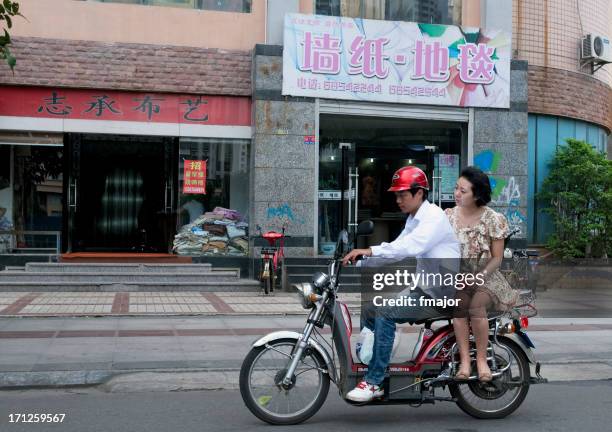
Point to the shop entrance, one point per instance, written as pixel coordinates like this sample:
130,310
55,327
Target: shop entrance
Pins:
360,154
120,193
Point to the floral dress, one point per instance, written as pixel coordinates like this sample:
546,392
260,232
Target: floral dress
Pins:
475,244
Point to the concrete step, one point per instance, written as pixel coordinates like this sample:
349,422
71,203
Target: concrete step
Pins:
307,261
350,288
27,251
313,268
242,285
117,268
14,268
348,283
92,277
226,269
307,277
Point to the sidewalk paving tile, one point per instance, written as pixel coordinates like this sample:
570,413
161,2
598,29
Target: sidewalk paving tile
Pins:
269,300
142,323
278,308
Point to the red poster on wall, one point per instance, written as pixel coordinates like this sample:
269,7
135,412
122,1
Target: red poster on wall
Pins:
194,177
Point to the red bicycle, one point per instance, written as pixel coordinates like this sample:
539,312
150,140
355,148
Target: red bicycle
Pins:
271,259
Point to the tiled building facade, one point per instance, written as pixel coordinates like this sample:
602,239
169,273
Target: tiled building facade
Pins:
566,100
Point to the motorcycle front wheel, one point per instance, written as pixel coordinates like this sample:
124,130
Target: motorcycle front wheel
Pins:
502,396
263,393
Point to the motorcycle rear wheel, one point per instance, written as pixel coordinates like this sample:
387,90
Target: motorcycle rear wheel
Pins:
260,383
472,397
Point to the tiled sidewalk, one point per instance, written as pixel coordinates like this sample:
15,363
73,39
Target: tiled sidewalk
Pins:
556,303
152,303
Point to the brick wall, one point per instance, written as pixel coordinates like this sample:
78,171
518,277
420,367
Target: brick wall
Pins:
570,94
120,66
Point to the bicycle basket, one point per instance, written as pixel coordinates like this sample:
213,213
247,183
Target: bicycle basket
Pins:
516,272
525,309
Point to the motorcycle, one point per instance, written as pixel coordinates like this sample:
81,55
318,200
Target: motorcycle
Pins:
285,377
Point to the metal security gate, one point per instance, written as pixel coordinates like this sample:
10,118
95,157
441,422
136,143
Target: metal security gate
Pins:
120,194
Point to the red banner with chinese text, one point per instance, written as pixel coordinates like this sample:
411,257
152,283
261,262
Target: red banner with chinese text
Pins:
194,177
124,106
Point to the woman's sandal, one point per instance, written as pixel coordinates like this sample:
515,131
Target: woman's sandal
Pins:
485,377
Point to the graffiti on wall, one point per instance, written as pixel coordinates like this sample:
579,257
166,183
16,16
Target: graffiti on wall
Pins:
510,195
505,193
283,213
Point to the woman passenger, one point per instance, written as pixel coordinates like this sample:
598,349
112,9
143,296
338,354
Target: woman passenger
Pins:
481,232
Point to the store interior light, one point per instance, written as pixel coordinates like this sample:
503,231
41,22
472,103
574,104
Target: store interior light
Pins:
329,152
409,161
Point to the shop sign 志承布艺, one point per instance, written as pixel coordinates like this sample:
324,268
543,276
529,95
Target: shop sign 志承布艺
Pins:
63,104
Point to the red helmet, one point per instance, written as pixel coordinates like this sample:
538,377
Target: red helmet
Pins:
409,177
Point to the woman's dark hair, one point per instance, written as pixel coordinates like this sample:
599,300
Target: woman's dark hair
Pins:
481,187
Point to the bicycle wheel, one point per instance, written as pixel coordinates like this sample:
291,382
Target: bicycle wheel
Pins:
267,276
263,276
273,276
502,396
267,398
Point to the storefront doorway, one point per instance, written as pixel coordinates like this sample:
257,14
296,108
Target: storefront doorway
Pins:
359,155
120,193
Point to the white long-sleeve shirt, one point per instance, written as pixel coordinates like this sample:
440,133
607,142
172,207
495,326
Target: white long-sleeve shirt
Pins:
427,236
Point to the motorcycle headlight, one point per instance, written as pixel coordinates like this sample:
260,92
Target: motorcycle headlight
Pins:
305,293
320,280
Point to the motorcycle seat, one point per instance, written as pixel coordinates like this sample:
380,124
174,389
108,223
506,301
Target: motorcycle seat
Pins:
441,317
492,315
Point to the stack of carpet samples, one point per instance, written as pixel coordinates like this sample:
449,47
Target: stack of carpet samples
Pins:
220,232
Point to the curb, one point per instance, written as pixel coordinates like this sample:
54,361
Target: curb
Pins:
52,379
117,380
149,380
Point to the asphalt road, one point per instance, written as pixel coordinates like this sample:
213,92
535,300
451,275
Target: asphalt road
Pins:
558,407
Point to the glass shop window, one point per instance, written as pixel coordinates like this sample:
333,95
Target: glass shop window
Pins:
213,197
216,5
421,11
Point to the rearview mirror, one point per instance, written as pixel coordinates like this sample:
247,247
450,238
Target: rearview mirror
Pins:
365,228
341,243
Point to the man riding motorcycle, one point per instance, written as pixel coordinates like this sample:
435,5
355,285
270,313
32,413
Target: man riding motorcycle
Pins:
427,236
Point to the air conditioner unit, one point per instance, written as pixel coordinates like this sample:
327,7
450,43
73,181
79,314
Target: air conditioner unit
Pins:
596,49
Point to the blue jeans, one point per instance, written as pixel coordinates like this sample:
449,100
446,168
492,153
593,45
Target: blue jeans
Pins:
382,321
